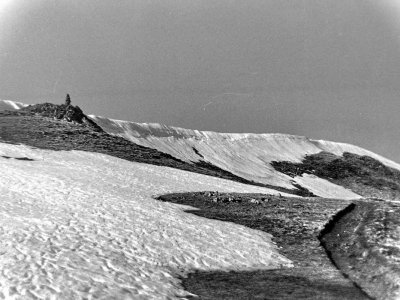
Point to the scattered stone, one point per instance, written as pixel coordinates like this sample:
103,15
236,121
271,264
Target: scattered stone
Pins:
254,201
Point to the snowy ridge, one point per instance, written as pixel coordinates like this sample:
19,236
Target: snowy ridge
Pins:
339,148
11,105
246,155
84,225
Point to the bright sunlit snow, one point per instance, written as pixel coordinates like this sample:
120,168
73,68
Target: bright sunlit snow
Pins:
244,154
320,186
80,225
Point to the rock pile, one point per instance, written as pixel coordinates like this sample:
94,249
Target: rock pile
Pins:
65,112
217,197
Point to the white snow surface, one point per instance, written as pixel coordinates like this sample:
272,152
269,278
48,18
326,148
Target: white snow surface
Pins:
320,186
11,105
80,225
247,155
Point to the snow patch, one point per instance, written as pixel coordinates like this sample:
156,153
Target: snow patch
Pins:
324,188
247,155
84,225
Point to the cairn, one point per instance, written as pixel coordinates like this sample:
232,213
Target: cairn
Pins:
67,100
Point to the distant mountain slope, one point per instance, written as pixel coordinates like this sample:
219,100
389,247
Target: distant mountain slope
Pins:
246,155
10,105
360,173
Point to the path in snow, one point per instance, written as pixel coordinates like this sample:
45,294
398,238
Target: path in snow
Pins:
80,225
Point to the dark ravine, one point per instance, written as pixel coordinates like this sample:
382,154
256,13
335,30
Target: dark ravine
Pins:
363,241
328,228
197,152
295,224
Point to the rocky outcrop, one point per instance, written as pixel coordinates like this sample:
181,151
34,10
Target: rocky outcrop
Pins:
68,113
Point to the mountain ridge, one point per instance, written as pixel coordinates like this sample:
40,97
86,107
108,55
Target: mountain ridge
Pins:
143,130
247,155
243,155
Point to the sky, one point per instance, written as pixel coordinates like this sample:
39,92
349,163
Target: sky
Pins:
324,69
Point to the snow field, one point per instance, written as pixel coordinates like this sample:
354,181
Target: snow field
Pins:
320,186
244,154
77,225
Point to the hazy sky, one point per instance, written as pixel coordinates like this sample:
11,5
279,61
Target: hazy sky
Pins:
325,69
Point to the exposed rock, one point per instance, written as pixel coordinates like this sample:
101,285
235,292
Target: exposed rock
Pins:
254,201
63,112
67,100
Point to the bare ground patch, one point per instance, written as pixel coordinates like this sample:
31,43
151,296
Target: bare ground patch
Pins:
295,224
365,245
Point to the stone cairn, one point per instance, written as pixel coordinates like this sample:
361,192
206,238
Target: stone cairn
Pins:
67,100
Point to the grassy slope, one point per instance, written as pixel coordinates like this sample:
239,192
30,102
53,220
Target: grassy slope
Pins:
295,225
362,174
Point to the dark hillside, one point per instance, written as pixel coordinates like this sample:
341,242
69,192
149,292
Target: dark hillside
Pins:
364,175
64,112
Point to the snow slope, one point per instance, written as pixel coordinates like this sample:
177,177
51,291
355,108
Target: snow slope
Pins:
246,155
10,105
84,225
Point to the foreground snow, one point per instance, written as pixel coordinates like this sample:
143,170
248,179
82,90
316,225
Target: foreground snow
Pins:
81,225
